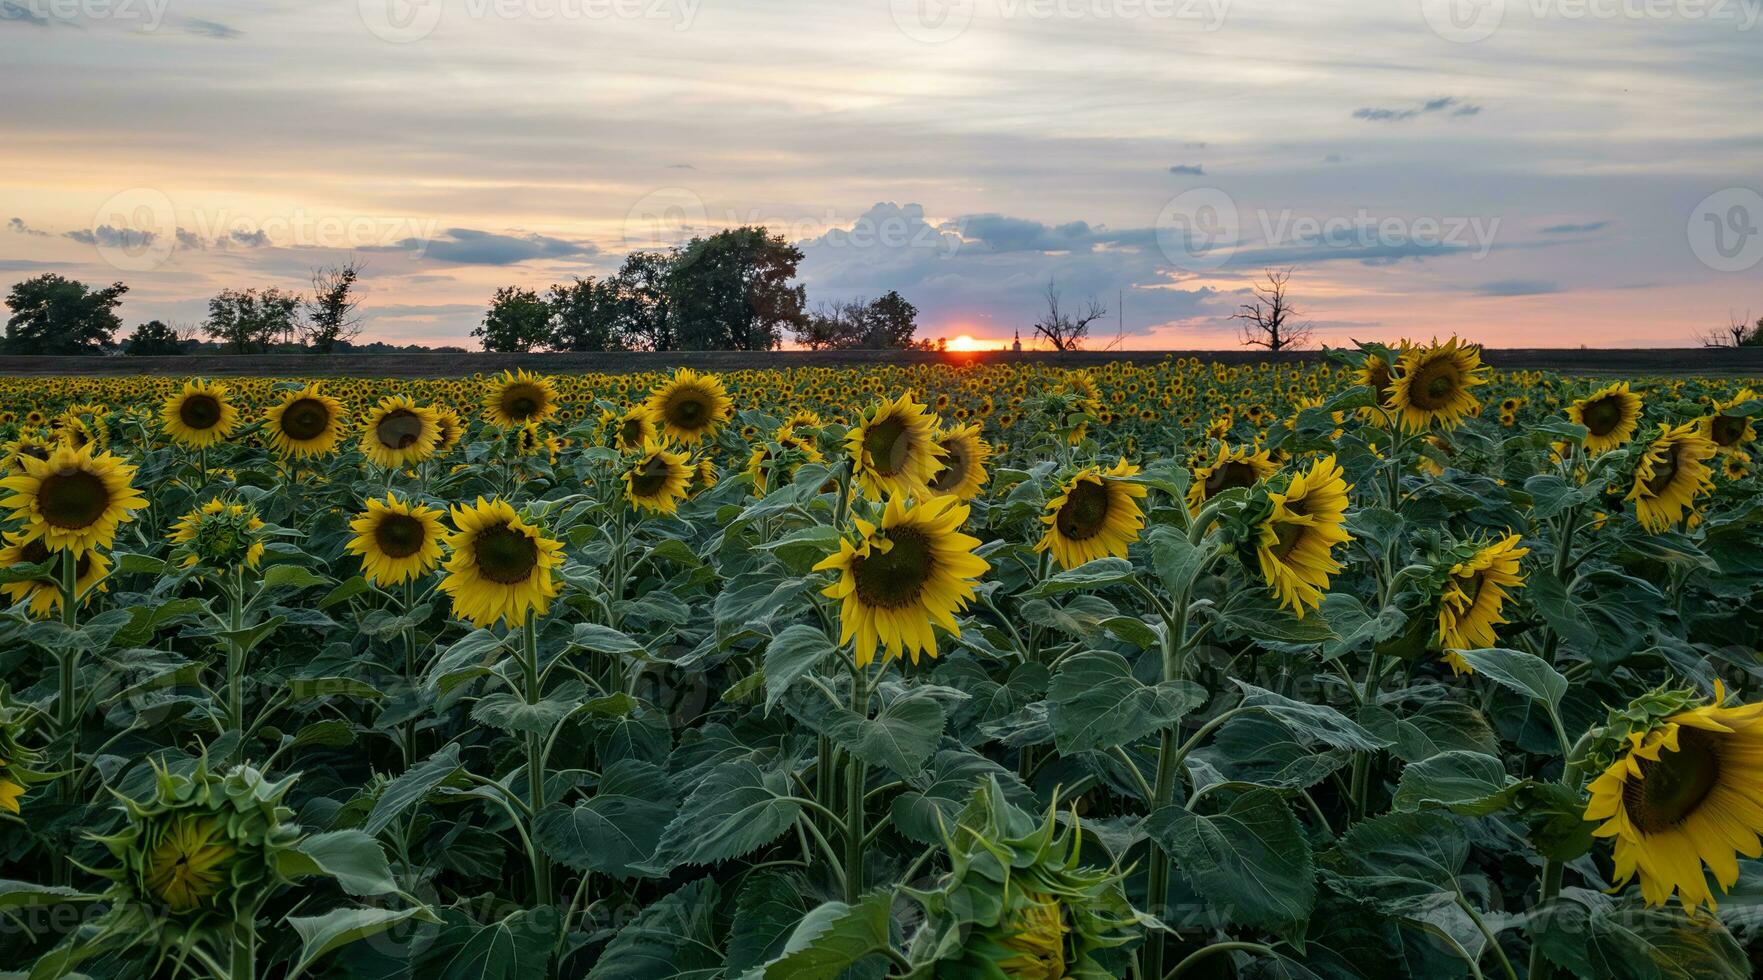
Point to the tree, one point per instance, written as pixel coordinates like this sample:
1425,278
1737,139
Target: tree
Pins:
645,319
518,320
1270,321
1065,330
154,339
1738,332
331,316
886,323
55,315
732,291
585,316
249,321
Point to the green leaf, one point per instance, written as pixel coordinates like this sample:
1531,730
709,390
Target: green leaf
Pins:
733,812
1096,574
295,576
333,733
672,939
312,688
320,934
604,639
1096,703
410,788
1523,672
1252,861
767,911
1317,722
1463,782
25,894
790,655
1593,935
511,713
925,811
1176,559
833,938
353,858
901,736
515,947
617,831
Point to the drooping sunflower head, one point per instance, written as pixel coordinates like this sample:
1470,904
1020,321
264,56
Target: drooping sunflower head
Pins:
894,450
517,397
25,446
1232,468
630,431
306,423
1095,515
76,497
1295,543
398,540
1729,432
902,578
1672,473
452,430
1611,415
1678,792
499,566
1473,596
1019,902
690,407
1433,386
657,478
398,432
704,476
963,469
27,548
199,416
219,536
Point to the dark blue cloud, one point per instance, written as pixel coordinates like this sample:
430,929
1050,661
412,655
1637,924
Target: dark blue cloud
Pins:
211,28
1571,229
1517,287
1441,104
1188,169
469,246
110,237
17,225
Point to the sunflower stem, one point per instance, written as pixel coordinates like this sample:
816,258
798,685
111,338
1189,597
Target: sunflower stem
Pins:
1202,953
244,960
855,774
67,700
410,673
535,766
235,667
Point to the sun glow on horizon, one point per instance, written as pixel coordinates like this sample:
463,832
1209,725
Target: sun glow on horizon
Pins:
967,342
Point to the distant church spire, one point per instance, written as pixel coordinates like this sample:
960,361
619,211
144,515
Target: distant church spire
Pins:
1017,346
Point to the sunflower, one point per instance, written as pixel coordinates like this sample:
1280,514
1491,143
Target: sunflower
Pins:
306,423
500,566
400,433
1231,468
1095,515
219,535
915,570
1671,475
32,446
1682,794
76,497
1296,542
45,593
1611,414
1474,598
188,863
1431,385
704,476
199,416
690,407
894,450
1730,433
775,463
631,431
1033,938
452,430
516,397
398,541
656,481
963,471
1375,375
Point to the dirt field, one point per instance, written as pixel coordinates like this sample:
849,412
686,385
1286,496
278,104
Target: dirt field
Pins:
1631,363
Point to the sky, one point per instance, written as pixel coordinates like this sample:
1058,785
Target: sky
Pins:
1524,173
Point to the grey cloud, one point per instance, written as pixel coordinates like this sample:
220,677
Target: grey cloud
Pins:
191,240
1189,169
17,225
1456,107
469,246
1572,229
1517,287
110,237
211,28
249,239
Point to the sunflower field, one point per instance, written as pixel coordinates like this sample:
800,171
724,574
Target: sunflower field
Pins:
1384,666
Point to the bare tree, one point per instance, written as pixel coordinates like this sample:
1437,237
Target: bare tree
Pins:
1067,330
331,316
1272,321
1738,332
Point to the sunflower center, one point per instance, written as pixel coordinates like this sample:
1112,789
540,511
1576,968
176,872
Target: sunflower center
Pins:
1727,430
886,444
505,556
895,578
306,418
35,552
188,865
73,499
522,402
34,452
1602,416
953,472
200,412
1287,536
398,429
630,433
1085,511
1235,473
687,410
1670,789
399,535
1665,471
649,477
1434,386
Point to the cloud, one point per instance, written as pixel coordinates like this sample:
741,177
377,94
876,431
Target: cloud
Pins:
1428,107
249,239
17,225
211,28
18,13
1571,229
28,265
1189,169
190,240
109,237
469,246
1517,287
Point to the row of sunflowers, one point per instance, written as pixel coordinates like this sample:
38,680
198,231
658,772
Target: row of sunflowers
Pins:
1387,665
